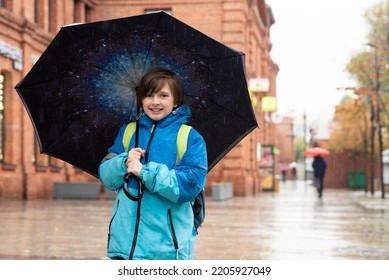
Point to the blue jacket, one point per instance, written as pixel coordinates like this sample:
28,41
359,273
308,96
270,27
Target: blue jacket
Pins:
166,226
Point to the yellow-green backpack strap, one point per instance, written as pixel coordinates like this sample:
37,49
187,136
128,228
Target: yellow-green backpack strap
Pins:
128,132
182,140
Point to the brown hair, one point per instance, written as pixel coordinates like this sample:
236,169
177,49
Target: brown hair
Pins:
155,79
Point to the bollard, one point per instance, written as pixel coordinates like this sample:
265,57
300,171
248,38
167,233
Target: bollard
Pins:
222,191
76,190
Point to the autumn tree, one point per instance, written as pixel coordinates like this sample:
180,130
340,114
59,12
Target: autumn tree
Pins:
365,120
355,118
352,126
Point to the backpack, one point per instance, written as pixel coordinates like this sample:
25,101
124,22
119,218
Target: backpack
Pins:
198,206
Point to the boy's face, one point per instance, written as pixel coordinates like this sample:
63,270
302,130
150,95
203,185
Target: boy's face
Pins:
159,104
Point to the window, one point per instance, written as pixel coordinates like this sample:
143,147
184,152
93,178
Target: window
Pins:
52,15
76,13
54,164
1,117
6,4
38,159
88,14
82,12
39,12
43,162
36,11
5,130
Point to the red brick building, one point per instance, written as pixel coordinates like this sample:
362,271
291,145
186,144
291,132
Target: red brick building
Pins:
285,139
27,27
285,143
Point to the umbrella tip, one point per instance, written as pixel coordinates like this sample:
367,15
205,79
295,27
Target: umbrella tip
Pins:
72,24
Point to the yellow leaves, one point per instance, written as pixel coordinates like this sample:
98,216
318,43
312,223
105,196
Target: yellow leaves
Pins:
352,126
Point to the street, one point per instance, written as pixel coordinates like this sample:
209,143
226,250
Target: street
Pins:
292,224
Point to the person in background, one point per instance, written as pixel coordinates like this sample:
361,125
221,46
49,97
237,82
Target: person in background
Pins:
319,169
293,170
284,171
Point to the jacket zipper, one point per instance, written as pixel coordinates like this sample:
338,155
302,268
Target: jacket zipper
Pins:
149,143
110,223
173,233
139,202
135,231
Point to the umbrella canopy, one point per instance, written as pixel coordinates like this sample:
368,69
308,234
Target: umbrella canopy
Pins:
293,164
82,88
316,151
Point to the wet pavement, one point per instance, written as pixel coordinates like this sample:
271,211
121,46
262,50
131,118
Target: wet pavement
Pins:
292,224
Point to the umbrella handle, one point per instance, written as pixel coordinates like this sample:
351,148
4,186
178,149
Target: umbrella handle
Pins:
138,197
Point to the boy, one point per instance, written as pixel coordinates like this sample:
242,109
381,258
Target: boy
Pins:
159,225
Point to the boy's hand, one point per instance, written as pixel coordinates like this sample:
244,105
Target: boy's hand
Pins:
133,161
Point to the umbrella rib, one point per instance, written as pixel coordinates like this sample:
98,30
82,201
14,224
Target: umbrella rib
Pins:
219,58
118,61
150,44
223,57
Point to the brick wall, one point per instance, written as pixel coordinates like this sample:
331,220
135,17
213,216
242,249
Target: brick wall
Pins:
285,140
339,166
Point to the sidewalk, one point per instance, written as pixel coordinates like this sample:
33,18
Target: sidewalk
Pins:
295,224
290,224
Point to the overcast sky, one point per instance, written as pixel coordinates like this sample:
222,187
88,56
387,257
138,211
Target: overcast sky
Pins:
312,43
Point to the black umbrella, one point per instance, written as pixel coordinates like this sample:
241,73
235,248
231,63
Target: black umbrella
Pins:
81,90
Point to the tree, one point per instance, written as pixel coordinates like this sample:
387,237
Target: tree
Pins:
370,70
352,126
378,19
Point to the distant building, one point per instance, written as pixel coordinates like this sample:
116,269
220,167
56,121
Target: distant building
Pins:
26,29
285,140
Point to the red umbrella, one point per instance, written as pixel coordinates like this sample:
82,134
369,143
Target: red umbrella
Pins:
316,151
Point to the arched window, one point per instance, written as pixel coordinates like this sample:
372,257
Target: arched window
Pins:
83,12
5,4
39,9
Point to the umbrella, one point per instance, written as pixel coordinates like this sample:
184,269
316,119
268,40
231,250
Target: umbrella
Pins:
82,88
293,164
316,151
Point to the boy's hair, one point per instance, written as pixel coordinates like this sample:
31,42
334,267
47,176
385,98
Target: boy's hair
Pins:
155,79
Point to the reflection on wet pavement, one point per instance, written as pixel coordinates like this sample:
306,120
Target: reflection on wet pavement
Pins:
290,224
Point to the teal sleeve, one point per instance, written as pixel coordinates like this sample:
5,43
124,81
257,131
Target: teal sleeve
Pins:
159,179
186,180
112,171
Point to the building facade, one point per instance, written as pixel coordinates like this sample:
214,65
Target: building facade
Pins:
28,26
285,143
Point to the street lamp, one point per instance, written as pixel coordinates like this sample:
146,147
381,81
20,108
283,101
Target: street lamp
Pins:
378,117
